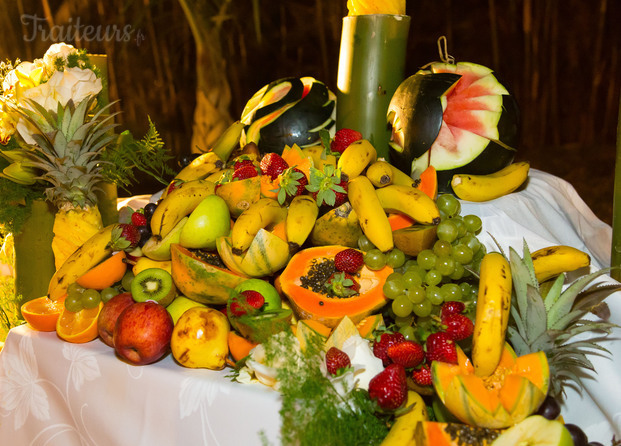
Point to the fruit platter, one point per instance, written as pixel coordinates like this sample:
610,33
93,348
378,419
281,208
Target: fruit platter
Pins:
299,283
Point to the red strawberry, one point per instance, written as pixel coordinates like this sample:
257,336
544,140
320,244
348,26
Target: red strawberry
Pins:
343,138
239,163
389,387
407,353
125,237
248,301
292,183
273,164
336,360
441,347
422,375
139,219
458,326
341,284
349,260
380,347
244,172
174,184
452,307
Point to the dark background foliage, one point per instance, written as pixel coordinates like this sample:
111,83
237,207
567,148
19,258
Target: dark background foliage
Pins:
560,59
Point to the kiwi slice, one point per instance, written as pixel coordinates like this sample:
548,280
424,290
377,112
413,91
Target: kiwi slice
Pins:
153,284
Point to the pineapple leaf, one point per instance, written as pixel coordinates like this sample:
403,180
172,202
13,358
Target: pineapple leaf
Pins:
566,301
519,325
595,295
554,292
520,346
536,317
521,280
78,116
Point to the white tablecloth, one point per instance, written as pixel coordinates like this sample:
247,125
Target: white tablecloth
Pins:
56,393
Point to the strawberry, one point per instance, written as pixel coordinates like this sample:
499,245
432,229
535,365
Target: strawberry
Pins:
380,347
422,375
125,237
292,183
458,326
341,284
343,138
349,260
327,187
139,219
244,172
336,360
389,387
452,307
273,164
242,162
174,184
407,353
441,347
247,302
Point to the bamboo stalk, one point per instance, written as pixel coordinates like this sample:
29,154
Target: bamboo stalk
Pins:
615,253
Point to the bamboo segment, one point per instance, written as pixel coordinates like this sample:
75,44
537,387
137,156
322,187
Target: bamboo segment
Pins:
371,67
615,255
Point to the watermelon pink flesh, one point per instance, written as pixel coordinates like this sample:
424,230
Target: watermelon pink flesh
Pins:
491,102
482,122
444,153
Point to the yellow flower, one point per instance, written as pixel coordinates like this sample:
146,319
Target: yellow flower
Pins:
20,174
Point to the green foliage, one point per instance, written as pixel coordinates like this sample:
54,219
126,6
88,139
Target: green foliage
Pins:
15,204
128,155
9,309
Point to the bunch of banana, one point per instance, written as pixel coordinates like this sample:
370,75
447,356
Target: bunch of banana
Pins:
355,158
201,167
409,201
179,204
492,313
92,252
259,215
488,187
554,260
402,432
301,217
382,173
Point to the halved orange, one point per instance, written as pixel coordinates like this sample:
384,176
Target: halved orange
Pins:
106,274
42,313
78,327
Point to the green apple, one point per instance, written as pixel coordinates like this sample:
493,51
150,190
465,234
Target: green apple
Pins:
209,220
179,305
267,290
535,430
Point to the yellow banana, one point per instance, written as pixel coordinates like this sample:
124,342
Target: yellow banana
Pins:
356,157
402,432
201,167
177,204
92,252
228,141
488,187
409,201
259,215
301,217
145,263
373,220
401,178
492,313
551,261
380,173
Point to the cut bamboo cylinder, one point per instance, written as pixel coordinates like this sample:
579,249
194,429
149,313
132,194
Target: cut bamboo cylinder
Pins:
615,254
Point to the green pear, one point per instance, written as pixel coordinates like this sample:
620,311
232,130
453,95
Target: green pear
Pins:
157,248
208,221
535,430
178,306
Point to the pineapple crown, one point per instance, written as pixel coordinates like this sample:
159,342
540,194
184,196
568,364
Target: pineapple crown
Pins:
67,149
547,317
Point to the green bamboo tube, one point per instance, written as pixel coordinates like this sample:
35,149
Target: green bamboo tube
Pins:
371,67
615,255
107,198
34,258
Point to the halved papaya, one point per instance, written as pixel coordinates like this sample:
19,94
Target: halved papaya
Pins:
308,304
202,281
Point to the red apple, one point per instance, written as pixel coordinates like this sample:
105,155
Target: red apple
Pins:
106,320
142,333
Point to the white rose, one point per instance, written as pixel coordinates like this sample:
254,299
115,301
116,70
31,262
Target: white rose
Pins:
73,83
25,75
57,50
364,363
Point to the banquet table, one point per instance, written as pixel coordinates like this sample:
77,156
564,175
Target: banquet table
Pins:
57,393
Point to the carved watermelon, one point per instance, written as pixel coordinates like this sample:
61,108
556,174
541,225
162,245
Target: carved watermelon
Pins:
458,118
286,112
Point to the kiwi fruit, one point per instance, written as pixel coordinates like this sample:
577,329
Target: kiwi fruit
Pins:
153,284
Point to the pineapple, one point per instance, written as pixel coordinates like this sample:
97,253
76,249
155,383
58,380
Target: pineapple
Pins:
546,318
68,144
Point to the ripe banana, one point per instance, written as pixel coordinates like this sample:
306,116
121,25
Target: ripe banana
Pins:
488,187
92,252
259,215
402,432
380,173
401,178
356,157
145,263
228,141
373,220
551,261
492,313
177,204
201,167
301,217
409,201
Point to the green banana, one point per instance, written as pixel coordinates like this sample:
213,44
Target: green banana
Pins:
228,141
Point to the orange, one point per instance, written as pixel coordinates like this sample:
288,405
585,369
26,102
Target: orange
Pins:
106,274
239,347
78,327
42,313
